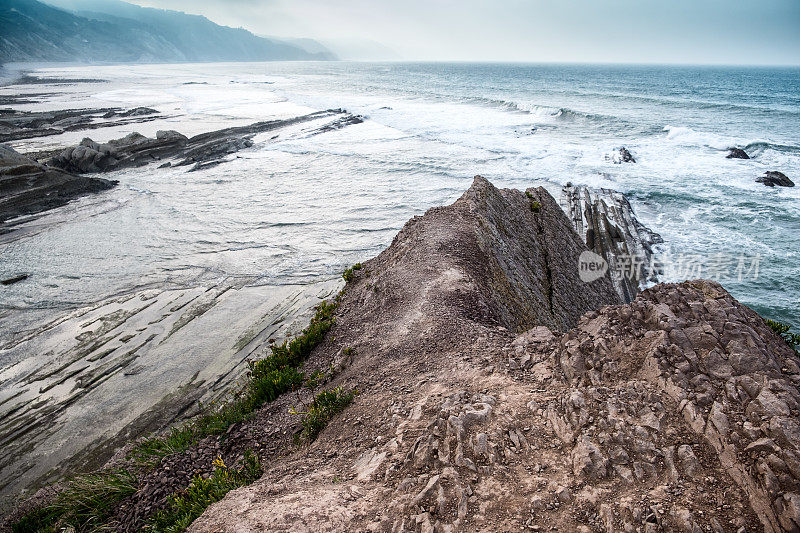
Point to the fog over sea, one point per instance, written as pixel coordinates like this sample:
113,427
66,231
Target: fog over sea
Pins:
302,207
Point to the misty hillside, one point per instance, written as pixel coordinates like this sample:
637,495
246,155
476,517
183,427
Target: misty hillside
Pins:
94,31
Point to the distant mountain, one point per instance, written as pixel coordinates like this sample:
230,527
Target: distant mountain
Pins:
361,50
349,49
110,30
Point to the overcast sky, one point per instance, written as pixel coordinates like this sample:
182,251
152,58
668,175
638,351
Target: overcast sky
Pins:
650,31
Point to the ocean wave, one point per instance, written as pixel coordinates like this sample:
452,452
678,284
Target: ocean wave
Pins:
539,111
759,147
688,136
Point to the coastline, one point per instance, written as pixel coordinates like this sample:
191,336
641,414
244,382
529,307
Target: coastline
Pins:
101,354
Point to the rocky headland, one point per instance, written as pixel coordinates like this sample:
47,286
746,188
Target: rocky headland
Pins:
496,391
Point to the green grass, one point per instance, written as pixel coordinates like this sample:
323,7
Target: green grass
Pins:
536,207
186,506
86,504
267,379
324,406
784,332
88,501
529,194
350,274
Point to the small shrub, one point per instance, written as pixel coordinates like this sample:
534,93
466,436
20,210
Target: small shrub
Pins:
784,332
350,273
186,506
315,379
86,504
529,194
325,405
536,206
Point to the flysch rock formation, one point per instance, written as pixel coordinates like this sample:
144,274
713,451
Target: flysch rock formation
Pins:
605,220
15,124
202,151
78,388
500,393
27,187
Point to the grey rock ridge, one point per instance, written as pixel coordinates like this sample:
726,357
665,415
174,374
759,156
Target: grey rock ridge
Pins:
605,220
676,412
498,392
28,187
135,150
16,125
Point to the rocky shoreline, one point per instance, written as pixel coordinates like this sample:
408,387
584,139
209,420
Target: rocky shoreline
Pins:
30,187
498,391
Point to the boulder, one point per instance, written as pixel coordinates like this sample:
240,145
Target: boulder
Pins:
737,153
772,178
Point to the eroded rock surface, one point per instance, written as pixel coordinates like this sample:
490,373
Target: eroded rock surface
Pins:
27,187
676,412
605,220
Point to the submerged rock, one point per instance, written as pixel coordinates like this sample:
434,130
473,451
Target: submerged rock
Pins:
14,279
622,155
772,178
737,153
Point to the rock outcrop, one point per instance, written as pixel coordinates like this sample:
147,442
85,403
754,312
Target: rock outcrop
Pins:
27,187
676,412
133,150
737,153
771,178
16,124
202,150
605,220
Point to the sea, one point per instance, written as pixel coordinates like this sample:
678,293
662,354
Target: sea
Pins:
303,206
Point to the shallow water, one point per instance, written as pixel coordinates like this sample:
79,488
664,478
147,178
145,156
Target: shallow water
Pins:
304,206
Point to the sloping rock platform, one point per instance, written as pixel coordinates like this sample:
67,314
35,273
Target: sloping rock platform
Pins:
676,412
